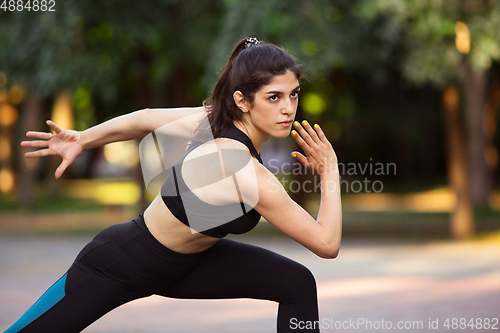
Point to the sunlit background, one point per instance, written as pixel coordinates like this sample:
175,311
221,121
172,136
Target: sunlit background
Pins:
407,92
410,84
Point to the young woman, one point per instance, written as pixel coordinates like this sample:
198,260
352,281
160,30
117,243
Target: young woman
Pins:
176,248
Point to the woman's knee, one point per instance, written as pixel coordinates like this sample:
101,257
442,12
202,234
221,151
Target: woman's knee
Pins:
300,283
303,278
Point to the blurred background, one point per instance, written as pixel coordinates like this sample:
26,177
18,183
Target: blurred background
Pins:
406,91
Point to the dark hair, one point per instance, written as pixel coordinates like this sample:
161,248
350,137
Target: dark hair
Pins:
252,64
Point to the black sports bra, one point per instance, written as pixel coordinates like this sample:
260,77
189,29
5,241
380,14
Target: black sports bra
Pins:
203,217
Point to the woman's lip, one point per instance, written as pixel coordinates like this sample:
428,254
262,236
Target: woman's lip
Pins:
286,122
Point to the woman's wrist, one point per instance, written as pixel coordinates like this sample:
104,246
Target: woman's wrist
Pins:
330,170
81,140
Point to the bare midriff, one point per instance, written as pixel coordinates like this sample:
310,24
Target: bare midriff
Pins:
171,232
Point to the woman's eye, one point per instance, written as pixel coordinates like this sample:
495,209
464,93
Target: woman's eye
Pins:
295,94
273,98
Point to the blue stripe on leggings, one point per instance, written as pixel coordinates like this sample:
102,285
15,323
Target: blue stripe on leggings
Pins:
53,295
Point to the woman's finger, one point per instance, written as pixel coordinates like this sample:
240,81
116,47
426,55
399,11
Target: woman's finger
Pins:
311,141
303,133
301,142
311,132
301,158
36,144
321,135
60,170
38,135
53,125
38,153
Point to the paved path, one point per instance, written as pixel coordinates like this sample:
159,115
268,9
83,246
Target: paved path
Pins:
370,281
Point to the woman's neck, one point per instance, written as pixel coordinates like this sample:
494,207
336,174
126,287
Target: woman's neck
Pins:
256,136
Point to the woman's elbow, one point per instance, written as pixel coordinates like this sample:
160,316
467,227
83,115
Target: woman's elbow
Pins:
331,255
330,248
330,252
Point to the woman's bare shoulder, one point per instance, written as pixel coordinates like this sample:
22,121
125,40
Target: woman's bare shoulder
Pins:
175,121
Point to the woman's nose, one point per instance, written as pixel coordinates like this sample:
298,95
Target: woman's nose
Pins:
288,107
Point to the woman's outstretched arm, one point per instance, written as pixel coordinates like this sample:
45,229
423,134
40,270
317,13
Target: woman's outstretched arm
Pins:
69,144
323,235
138,124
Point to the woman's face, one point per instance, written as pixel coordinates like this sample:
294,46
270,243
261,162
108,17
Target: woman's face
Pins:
274,104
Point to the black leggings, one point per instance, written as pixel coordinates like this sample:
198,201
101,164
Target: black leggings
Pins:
125,262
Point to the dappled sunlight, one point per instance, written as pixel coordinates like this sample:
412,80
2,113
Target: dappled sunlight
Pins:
462,38
189,314
6,180
62,111
414,266
114,192
494,201
360,287
8,115
125,152
234,309
436,200
413,288
407,93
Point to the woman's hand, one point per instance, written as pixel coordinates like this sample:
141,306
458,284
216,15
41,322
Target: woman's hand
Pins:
321,157
66,143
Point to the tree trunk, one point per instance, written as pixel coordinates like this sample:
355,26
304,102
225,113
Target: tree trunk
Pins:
30,121
481,177
179,86
493,103
462,219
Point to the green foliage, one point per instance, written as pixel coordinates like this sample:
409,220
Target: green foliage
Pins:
353,52
84,108
326,36
313,103
429,30
97,43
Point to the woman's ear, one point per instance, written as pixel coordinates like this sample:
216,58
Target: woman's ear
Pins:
240,101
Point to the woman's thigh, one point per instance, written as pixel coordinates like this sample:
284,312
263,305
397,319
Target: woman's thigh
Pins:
235,270
74,302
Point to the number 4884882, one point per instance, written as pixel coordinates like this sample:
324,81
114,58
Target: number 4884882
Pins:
29,5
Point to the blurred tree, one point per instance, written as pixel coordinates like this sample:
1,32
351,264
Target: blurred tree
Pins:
452,42
462,217
449,42
101,44
103,49
441,42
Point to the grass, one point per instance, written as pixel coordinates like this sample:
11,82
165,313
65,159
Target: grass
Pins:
60,215
66,214
416,225
402,225
50,205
